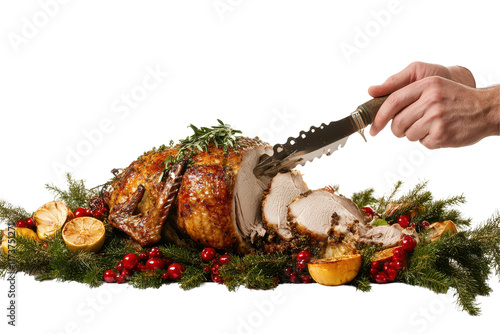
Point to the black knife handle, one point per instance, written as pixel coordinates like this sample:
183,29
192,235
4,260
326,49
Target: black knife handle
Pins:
369,109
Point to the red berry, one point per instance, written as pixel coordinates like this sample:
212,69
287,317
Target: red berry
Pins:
143,256
408,243
399,264
130,261
294,278
208,254
119,266
387,266
381,278
304,255
207,269
301,264
305,278
215,269
288,271
175,271
21,223
109,276
126,273
425,223
368,209
217,279
164,275
97,214
168,261
155,252
224,259
276,279
82,212
392,274
154,263
140,267
30,222
120,279
403,221
399,254
377,265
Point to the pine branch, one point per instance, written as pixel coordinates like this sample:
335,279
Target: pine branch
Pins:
364,198
76,196
10,214
193,277
362,279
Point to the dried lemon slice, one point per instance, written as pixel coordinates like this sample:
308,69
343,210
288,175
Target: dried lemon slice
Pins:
17,231
336,270
436,230
51,217
84,234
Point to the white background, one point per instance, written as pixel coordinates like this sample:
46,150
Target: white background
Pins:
269,68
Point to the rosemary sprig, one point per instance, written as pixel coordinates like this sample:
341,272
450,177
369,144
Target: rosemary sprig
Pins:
221,135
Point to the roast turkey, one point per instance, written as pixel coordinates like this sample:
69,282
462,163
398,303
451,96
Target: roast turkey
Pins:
218,201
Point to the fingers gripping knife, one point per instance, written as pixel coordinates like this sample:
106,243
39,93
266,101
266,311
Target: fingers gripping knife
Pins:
318,141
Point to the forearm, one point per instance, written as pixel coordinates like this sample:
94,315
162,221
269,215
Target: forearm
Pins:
491,106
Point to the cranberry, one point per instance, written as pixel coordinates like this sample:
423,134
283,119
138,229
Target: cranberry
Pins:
109,276
168,261
391,274
301,264
425,223
175,271
217,279
119,266
97,214
154,263
403,221
399,264
294,278
305,278
130,261
126,273
399,254
304,255
215,269
30,222
276,279
140,267
82,212
224,259
387,266
208,254
377,265
155,252
368,209
408,243
120,279
373,272
207,269
143,256
288,271
21,223
164,275
381,278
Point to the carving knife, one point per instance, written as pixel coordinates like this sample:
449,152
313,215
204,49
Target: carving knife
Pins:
318,141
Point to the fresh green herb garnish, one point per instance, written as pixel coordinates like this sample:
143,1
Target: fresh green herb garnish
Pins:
222,135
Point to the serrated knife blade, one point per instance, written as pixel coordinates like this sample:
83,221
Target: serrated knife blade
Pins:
318,141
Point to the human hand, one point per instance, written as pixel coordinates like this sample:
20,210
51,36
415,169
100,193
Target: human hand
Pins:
436,105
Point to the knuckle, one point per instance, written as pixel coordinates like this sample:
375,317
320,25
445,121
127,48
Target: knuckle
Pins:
397,129
411,135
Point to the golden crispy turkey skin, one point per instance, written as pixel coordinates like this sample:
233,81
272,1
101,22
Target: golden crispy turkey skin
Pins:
219,197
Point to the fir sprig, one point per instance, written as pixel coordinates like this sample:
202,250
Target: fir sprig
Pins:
10,213
75,196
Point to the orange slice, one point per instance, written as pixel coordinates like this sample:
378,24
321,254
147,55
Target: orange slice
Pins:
336,270
51,217
84,234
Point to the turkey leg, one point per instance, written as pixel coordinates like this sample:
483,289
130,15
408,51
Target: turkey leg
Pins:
146,228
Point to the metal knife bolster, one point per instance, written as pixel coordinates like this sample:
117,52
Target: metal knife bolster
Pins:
318,141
